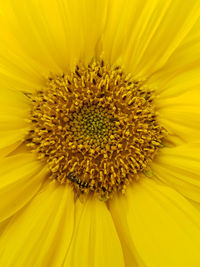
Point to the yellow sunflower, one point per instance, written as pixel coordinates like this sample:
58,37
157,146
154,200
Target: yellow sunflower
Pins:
100,128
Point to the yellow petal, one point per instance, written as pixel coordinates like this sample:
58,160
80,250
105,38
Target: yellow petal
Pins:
20,179
14,110
146,33
8,149
179,167
182,69
180,115
163,226
63,32
95,241
41,233
17,71
131,256
3,225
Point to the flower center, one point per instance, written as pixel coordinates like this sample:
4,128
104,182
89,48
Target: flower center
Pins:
93,124
96,128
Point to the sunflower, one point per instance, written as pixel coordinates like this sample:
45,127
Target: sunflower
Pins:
100,128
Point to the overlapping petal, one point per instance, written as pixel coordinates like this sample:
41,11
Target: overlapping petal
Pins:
180,114
21,177
44,37
95,241
159,223
40,235
14,112
144,34
179,167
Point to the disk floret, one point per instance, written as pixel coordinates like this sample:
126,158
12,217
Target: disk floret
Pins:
96,128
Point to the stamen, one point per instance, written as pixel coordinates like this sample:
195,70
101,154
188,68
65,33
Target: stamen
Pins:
96,128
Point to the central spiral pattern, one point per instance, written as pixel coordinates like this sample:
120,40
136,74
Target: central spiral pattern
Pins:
92,124
96,128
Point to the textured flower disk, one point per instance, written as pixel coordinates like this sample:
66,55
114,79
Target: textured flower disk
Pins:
96,127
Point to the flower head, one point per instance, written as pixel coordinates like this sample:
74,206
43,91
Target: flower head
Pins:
99,122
